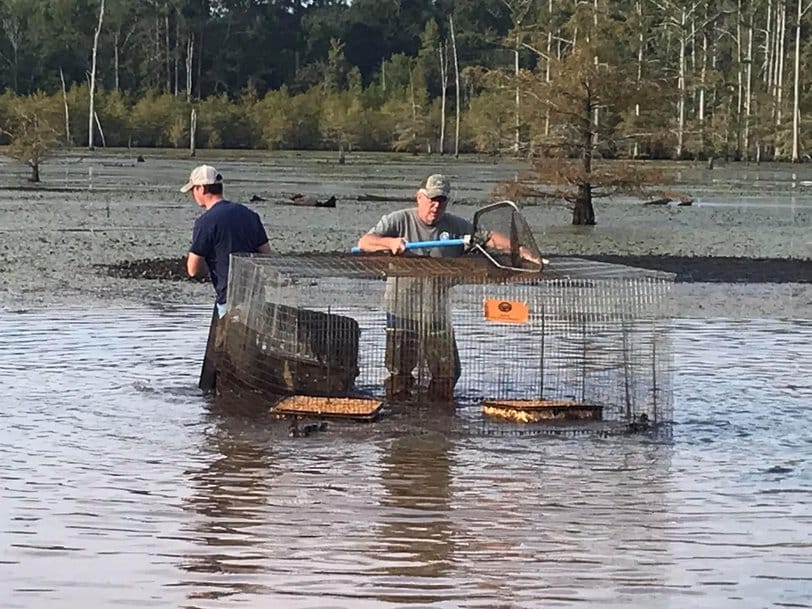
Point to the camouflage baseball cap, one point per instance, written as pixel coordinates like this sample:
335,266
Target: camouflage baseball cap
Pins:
436,185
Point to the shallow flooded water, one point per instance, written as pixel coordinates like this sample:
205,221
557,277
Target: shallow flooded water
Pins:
121,486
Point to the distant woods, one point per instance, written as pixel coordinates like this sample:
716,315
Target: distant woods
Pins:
542,78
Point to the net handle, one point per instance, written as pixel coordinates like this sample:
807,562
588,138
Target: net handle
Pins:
416,245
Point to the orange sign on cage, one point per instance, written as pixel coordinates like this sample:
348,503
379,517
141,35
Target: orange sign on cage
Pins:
506,311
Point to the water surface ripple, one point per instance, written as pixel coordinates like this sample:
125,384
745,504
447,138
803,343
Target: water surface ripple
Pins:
120,486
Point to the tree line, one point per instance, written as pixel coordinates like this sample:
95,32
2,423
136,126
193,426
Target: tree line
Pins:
539,78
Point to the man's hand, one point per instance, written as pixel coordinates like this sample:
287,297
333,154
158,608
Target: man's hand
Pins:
526,254
397,245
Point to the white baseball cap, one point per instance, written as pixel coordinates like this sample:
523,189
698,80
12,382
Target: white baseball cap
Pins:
203,175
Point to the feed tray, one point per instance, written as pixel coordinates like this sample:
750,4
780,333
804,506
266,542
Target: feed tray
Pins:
357,408
541,411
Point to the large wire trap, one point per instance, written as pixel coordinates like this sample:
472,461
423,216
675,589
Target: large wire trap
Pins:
413,329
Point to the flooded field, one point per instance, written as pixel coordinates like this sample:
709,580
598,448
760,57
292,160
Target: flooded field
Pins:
122,487
106,208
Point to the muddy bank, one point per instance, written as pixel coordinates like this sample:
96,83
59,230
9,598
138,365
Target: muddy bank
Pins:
165,269
687,269
708,269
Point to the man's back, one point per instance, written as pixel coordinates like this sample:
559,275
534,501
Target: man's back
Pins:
226,228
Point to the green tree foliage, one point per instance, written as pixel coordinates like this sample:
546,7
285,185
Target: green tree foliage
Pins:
336,68
223,123
33,126
113,109
705,78
152,116
305,126
274,115
489,121
342,115
413,118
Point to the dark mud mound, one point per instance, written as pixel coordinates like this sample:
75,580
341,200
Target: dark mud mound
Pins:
688,269
706,269
167,269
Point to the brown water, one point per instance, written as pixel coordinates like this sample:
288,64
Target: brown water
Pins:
120,486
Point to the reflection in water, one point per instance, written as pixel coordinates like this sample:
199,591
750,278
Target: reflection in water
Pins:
563,521
229,493
120,487
416,531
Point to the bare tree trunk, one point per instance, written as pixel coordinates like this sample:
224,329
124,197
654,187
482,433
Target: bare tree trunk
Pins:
167,54
190,47
518,11
192,132
693,44
155,60
101,133
703,74
444,85
176,56
517,123
715,93
779,79
596,111
766,67
115,62
739,77
92,112
796,156
583,213
748,90
641,41
457,86
117,46
68,141
414,111
548,76
200,65
681,87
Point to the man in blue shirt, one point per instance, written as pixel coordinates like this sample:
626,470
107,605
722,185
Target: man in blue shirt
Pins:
225,228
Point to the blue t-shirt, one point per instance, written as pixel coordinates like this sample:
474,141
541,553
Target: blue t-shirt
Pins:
226,228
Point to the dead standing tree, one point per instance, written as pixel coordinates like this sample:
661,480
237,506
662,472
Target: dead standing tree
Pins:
578,87
92,113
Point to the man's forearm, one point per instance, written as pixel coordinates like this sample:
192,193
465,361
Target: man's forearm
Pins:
380,243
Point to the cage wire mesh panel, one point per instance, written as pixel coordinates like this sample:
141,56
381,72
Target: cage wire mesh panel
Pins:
415,329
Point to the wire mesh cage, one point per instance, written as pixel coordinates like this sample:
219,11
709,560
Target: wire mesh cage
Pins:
581,341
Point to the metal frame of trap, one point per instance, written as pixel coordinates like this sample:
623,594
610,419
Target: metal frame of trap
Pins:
590,335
